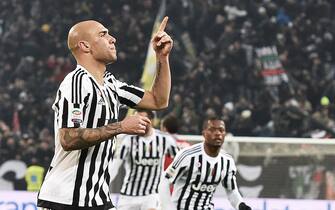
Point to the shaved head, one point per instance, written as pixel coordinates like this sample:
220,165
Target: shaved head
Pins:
81,31
91,40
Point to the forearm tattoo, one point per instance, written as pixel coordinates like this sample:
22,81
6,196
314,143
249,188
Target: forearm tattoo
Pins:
157,78
80,138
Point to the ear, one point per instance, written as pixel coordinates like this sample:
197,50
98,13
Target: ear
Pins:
84,46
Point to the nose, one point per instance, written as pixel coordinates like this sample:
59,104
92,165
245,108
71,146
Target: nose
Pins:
112,39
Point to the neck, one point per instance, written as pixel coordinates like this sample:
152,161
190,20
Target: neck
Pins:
212,151
96,69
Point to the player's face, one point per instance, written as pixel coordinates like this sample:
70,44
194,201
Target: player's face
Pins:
214,133
103,45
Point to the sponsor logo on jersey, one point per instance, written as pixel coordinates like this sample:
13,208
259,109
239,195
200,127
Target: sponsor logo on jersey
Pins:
147,162
204,187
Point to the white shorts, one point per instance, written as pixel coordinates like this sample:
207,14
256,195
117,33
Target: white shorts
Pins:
138,202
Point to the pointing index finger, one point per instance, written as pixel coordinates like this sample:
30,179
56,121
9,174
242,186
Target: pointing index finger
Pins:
163,24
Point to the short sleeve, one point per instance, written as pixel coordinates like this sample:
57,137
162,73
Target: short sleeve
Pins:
128,94
172,147
71,101
178,167
229,180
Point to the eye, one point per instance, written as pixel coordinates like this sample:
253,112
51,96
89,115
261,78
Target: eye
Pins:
102,34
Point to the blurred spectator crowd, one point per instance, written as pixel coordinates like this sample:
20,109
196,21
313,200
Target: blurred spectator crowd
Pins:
214,66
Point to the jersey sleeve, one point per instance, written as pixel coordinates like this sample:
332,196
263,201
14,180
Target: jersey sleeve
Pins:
172,147
71,102
128,94
178,167
229,180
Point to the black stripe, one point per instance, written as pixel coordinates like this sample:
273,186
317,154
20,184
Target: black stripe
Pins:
146,183
126,102
164,145
187,183
140,181
102,193
80,86
221,170
65,113
57,105
153,180
113,113
79,177
232,180
208,169
91,115
136,166
75,76
89,182
157,143
143,169
196,182
122,152
179,174
225,180
173,151
132,90
102,119
85,105
101,171
131,167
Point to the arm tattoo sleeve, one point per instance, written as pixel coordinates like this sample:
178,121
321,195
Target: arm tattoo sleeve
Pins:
80,138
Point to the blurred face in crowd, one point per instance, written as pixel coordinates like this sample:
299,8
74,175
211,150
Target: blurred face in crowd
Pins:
214,132
92,38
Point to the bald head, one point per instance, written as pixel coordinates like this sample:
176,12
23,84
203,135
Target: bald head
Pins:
90,40
81,31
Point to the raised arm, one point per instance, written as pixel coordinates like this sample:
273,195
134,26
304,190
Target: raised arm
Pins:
158,96
81,138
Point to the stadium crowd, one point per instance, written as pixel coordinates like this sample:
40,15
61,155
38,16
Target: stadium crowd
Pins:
214,66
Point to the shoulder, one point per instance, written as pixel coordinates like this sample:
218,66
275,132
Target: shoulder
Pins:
185,154
163,134
77,78
109,77
225,155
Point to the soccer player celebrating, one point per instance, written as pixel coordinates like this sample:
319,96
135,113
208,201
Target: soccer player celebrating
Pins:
143,157
196,171
86,118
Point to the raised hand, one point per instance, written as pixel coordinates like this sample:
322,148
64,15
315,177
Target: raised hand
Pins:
134,124
161,41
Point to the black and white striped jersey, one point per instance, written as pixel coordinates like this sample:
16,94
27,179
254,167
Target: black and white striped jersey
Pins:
81,177
143,161
196,175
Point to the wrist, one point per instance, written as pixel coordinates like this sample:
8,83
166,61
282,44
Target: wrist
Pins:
119,127
162,59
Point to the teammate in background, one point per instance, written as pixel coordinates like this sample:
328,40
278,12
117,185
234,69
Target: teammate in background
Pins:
86,118
170,124
197,170
143,157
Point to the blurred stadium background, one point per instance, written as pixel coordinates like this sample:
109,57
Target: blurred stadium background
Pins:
267,66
